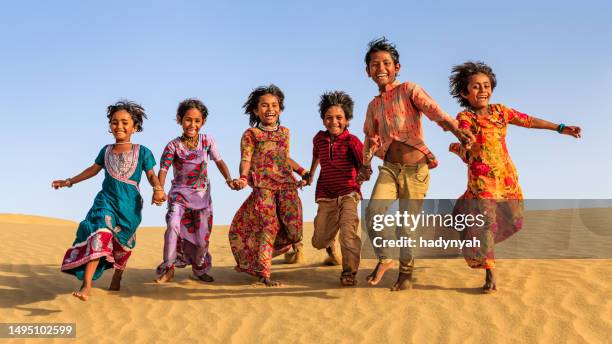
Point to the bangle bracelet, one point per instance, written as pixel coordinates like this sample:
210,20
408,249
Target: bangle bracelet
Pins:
243,178
69,181
560,128
300,171
158,188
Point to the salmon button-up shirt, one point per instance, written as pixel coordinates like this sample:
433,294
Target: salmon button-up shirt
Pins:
395,115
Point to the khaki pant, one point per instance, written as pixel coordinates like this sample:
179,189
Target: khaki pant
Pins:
339,215
403,182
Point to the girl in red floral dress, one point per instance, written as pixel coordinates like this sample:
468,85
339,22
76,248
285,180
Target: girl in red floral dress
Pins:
269,222
493,189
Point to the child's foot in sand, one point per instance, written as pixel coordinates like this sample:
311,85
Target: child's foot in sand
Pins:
489,287
269,283
82,294
332,257
295,257
347,279
166,277
379,271
204,278
404,282
116,281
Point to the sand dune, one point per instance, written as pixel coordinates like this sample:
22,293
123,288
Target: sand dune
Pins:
547,300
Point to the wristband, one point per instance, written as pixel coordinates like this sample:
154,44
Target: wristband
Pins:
158,188
243,178
560,128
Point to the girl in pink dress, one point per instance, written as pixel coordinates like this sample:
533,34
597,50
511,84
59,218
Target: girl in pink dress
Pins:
190,213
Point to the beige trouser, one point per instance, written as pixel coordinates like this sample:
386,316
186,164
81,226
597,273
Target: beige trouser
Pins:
339,215
409,184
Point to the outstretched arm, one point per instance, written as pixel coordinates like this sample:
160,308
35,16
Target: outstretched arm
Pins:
86,174
538,123
425,104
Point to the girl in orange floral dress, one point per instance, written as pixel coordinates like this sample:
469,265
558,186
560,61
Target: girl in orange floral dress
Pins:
493,189
269,222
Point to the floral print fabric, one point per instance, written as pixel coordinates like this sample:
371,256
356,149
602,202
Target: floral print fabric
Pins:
493,189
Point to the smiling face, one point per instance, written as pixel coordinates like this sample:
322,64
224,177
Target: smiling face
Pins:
192,122
122,126
382,69
268,110
478,91
335,120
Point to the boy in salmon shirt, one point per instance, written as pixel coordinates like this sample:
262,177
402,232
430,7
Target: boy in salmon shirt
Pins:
394,133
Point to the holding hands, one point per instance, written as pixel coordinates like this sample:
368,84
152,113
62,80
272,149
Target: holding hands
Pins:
364,174
237,184
159,196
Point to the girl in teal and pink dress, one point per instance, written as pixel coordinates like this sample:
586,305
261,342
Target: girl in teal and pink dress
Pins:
190,213
106,237
492,189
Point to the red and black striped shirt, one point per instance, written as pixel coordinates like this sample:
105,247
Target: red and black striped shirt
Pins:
340,161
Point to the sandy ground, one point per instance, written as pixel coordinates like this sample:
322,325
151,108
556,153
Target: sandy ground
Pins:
539,300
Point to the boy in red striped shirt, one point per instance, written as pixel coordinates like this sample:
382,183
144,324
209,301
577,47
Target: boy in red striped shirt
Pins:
338,193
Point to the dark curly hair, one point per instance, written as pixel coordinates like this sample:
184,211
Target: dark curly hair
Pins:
339,98
460,78
136,111
381,44
251,104
186,105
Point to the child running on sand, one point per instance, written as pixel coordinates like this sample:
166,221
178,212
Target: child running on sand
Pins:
189,217
106,237
492,189
340,154
269,222
394,133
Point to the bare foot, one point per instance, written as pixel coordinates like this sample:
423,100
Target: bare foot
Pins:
82,294
489,287
204,278
167,276
347,279
404,282
269,283
332,258
379,271
116,281
295,257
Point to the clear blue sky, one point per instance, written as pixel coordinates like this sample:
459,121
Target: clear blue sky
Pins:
63,62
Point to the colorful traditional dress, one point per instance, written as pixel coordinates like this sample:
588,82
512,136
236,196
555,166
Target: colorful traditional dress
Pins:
493,189
189,217
269,222
109,229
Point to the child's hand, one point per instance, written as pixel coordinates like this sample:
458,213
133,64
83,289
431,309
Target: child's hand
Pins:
364,174
64,183
240,183
572,131
466,138
310,179
159,197
306,180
